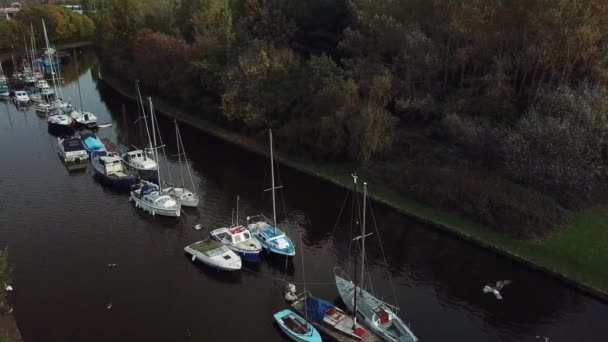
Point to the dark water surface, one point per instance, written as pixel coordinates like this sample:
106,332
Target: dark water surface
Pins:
63,229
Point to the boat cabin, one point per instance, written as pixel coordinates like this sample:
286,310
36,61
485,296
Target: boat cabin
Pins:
112,165
235,235
140,160
42,84
72,145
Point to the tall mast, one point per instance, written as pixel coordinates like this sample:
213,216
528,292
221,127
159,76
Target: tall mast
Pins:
46,39
154,140
237,210
181,144
363,234
355,259
274,207
179,153
78,81
143,111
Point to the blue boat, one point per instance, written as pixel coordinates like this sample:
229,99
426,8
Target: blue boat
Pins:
296,327
110,171
92,144
272,238
265,231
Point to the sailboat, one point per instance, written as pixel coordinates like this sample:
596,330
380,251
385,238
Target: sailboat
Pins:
147,195
238,239
55,101
141,161
4,91
184,196
80,117
379,316
265,231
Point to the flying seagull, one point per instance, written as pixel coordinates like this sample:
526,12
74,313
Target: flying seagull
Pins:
198,226
109,306
496,289
545,338
111,265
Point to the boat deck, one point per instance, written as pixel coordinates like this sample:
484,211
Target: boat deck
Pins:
333,335
205,246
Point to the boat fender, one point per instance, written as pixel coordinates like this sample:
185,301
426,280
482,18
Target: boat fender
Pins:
290,293
193,257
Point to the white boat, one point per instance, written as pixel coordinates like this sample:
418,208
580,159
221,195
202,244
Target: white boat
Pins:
376,314
239,240
21,96
71,150
141,161
42,84
148,196
58,123
84,119
184,196
43,107
80,117
214,254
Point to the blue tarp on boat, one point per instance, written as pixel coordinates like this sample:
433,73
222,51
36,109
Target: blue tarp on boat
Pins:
316,308
93,143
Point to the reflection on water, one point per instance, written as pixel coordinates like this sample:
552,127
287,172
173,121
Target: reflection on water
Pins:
63,229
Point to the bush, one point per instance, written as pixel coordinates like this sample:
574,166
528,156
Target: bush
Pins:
6,276
498,203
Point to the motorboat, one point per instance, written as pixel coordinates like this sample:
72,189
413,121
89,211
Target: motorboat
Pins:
92,144
59,123
71,151
239,240
20,96
84,119
214,254
110,171
43,107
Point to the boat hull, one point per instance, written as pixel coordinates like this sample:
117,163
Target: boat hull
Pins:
312,336
196,255
246,255
57,129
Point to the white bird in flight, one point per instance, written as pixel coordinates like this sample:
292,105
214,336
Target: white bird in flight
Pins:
198,226
496,289
545,338
109,306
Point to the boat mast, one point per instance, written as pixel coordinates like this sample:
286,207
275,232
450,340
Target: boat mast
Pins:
181,143
355,259
363,235
154,141
237,210
46,39
78,81
143,111
179,153
274,206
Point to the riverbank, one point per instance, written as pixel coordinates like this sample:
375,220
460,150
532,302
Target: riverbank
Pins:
575,255
65,46
9,332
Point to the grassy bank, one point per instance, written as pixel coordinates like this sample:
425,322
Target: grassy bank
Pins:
576,254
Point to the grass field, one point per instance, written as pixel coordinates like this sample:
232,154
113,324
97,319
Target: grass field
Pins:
579,252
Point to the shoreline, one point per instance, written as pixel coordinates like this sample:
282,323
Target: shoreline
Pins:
8,326
446,221
4,57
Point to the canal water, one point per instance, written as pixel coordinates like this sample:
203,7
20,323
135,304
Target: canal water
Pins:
63,229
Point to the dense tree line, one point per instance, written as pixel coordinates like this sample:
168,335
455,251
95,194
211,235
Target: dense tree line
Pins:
62,26
494,108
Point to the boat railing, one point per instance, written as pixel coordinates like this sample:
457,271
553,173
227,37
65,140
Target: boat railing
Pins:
258,218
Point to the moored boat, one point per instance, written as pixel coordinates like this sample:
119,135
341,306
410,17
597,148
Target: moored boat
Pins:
331,321
296,327
71,151
92,143
110,171
239,240
142,163
58,123
214,254
265,231
84,119
147,196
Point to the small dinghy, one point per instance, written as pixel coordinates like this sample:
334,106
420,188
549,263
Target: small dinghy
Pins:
92,143
214,254
239,240
110,171
296,327
71,152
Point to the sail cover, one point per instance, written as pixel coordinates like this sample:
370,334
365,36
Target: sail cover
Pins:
316,308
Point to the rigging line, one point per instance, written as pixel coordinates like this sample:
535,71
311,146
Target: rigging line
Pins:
282,189
260,274
390,277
